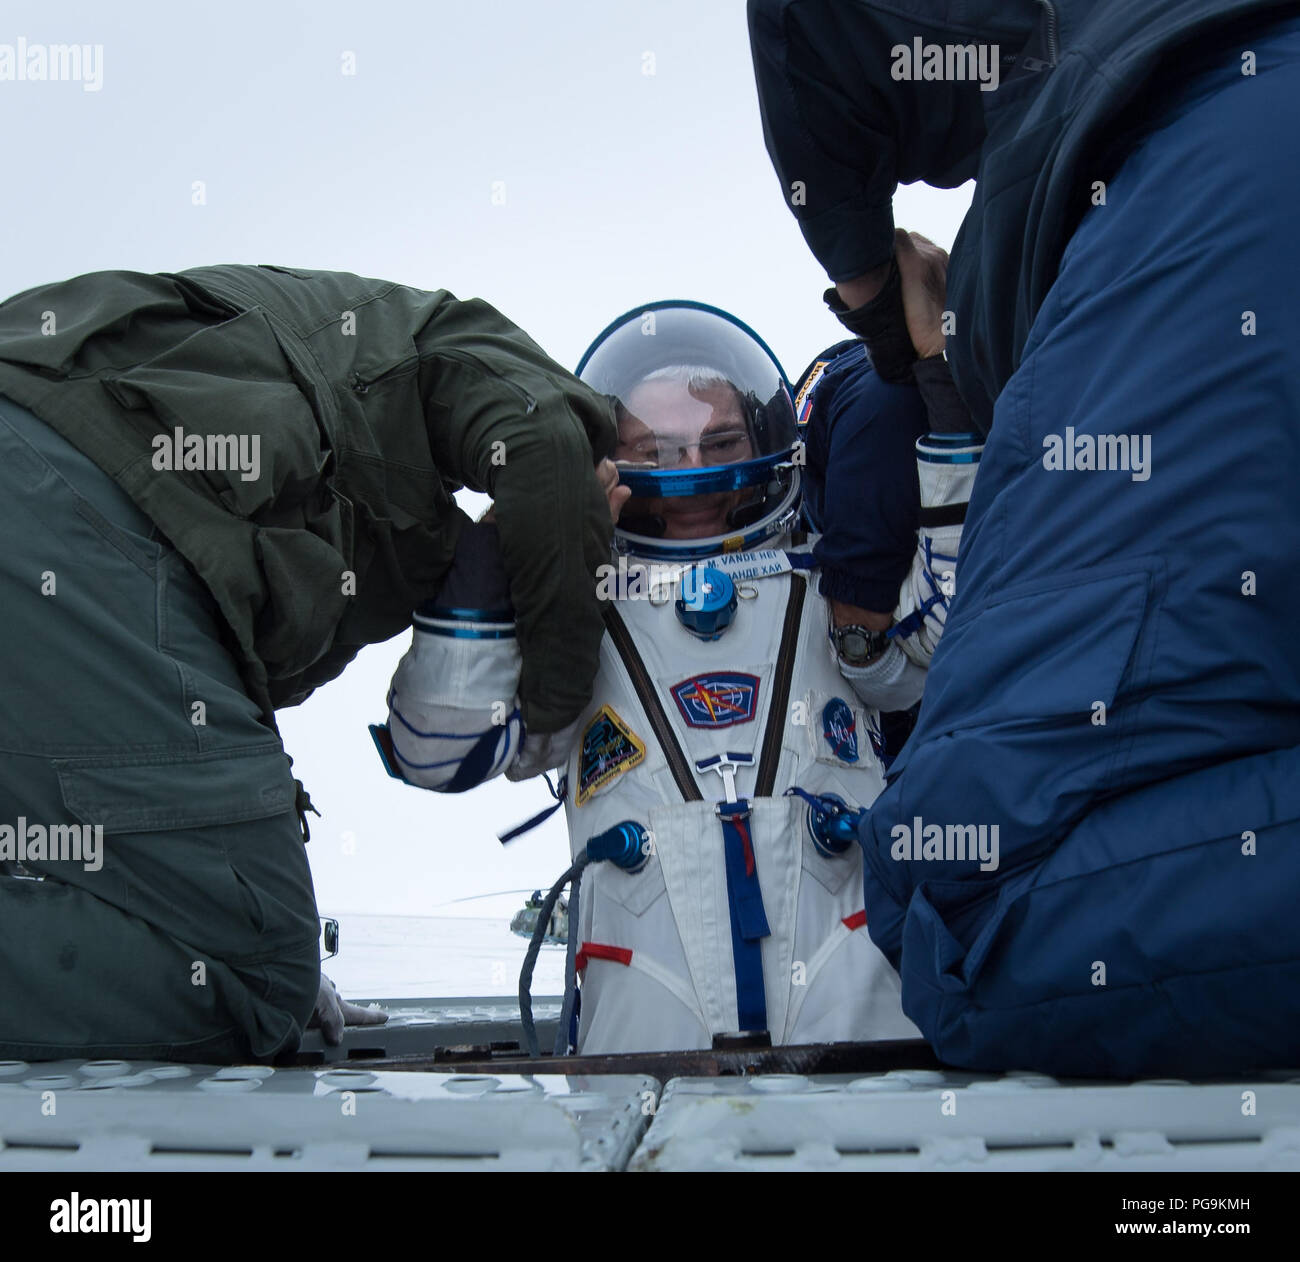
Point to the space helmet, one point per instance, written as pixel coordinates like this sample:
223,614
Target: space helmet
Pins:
706,431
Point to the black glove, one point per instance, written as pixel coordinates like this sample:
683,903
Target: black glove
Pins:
882,325
943,405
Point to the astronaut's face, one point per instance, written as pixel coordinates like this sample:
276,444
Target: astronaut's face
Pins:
668,424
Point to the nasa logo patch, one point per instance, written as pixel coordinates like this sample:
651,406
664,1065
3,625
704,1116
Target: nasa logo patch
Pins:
840,729
609,748
720,698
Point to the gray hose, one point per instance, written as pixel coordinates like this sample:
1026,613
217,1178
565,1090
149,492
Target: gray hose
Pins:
531,1044
570,970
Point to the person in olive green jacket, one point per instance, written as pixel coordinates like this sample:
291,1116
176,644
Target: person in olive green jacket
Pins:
216,486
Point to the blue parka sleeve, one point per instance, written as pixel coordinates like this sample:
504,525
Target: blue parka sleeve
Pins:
863,494
843,133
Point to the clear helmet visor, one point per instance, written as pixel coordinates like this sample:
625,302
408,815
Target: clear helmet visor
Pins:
681,417
705,420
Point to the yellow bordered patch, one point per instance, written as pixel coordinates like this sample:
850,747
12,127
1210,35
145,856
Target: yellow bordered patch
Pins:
609,748
814,375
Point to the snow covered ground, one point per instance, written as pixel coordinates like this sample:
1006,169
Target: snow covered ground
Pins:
413,956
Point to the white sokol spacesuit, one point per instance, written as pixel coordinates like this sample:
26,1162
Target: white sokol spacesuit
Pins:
724,732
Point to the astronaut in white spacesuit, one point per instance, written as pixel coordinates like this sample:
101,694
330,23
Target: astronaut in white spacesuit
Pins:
732,731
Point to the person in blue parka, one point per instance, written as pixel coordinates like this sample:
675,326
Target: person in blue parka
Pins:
862,499
1086,857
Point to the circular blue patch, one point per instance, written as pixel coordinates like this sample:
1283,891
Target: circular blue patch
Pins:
840,729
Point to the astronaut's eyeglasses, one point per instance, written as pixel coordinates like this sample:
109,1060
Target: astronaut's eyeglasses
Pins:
721,447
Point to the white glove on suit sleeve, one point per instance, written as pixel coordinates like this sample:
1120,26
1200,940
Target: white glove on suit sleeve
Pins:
453,716
947,465
891,682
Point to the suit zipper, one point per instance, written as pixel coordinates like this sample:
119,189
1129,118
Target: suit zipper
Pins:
361,385
781,678
1050,9
644,689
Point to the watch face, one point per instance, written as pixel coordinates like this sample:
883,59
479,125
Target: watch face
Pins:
853,645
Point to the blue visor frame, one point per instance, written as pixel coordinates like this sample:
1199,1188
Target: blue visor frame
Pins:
668,483
777,522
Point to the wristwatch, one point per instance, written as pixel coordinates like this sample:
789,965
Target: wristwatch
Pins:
856,645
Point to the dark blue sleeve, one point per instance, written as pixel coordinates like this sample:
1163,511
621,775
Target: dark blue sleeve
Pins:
863,495
842,128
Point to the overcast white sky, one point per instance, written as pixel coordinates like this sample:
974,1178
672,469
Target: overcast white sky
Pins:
620,186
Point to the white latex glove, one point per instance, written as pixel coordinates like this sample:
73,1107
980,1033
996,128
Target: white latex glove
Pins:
333,1013
543,753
